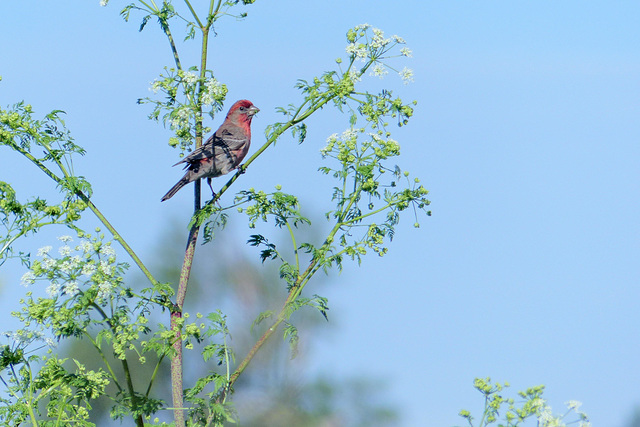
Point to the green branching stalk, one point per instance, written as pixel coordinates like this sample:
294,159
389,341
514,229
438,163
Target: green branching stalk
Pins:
125,367
104,360
64,184
193,12
189,93
156,369
294,293
295,246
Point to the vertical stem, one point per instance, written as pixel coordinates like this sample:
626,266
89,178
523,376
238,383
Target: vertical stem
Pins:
176,315
177,360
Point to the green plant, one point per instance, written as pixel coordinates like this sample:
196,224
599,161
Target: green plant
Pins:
529,406
87,295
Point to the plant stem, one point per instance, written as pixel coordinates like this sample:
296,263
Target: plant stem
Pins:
174,49
176,314
155,373
93,208
104,359
177,359
294,293
125,366
295,247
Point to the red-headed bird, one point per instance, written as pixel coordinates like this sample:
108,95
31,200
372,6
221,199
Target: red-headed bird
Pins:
223,151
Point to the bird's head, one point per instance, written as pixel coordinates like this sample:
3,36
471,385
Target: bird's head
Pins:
242,112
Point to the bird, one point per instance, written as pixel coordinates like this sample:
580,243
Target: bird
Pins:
223,151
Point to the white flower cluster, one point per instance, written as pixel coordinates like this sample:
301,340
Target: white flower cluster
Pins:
547,419
348,140
379,70
378,39
188,77
358,50
90,263
214,92
406,74
374,47
23,337
180,117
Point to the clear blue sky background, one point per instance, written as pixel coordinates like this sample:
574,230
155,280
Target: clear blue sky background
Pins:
526,134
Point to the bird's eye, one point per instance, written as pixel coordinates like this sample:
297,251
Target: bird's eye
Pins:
242,108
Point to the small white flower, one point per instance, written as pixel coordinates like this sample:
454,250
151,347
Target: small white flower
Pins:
88,269
71,264
21,336
104,290
349,134
190,77
48,263
44,250
359,51
378,40
75,261
333,137
86,246
405,51
53,289
407,75
180,118
71,288
398,39
379,71
107,251
362,26
27,279
64,250
66,267
354,76
545,416
65,239
215,91
103,3
106,268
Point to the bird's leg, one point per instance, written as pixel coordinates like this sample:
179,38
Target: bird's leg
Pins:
213,193
241,169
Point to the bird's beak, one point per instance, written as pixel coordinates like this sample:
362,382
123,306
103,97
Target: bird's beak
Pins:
253,110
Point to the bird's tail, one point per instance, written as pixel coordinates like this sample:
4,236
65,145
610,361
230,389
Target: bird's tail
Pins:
184,181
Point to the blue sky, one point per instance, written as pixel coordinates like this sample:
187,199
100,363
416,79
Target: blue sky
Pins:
526,133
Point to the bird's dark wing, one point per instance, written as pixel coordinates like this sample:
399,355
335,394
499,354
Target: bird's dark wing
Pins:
233,137
225,140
